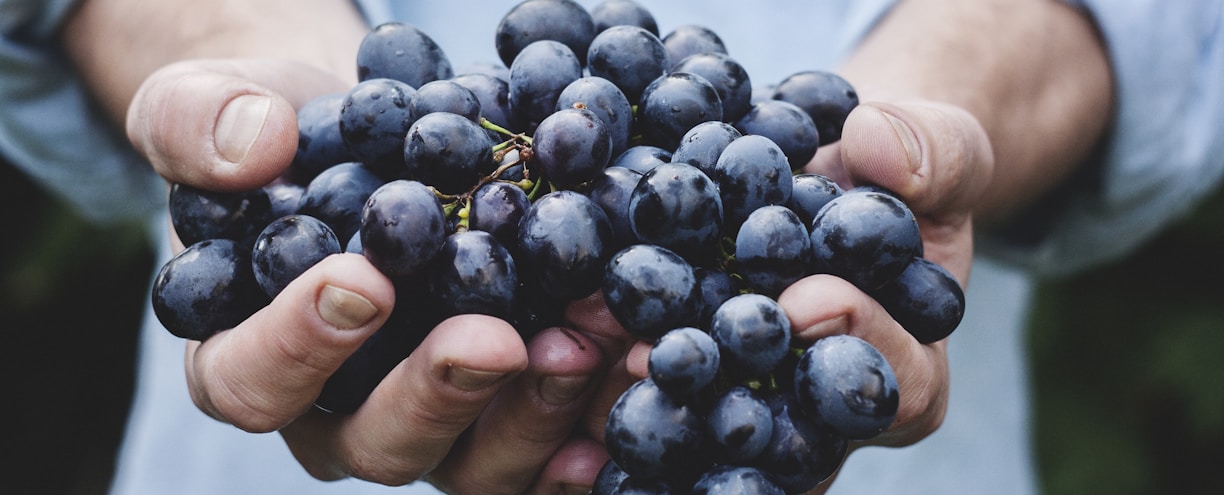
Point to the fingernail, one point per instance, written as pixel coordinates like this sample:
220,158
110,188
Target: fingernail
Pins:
472,380
575,490
561,390
908,139
239,125
344,309
825,328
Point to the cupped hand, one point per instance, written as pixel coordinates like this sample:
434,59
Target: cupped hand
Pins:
474,409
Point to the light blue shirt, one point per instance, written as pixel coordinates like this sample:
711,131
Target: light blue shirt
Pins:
1165,153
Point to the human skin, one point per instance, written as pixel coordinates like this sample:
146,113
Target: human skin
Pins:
971,109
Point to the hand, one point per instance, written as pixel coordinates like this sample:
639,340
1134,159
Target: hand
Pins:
472,410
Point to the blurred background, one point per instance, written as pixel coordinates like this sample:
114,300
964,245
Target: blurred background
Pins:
1127,358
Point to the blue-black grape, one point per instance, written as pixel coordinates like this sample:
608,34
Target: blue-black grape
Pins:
289,246
824,95
736,480
320,144
740,424
337,195
772,250
652,437
564,241
728,77
925,299
844,382
563,21
864,237
692,39
474,273
607,101
801,453
571,146
677,206
753,334
810,193
629,56
493,93
402,227
611,190
786,125
444,96
284,197
538,75
651,290
673,104
751,172
497,208
447,151
704,143
395,50
642,158
610,13
198,214
716,286
206,288
373,121
610,476
683,362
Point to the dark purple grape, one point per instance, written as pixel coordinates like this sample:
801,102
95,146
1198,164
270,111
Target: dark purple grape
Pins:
610,476
866,238
652,437
751,172
801,452
571,146
735,480
563,21
284,197
337,195
702,145
493,94
374,120
206,288
677,206
691,39
197,214
610,13
497,208
474,273
728,77
564,242
844,382
447,151
289,246
825,96
642,158
651,290
320,144
772,250
444,96
611,190
402,52
925,299
786,125
683,362
673,104
753,335
629,56
634,486
740,425
402,227
810,193
354,244
716,286
538,75
607,101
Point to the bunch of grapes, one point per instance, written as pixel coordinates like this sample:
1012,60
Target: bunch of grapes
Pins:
598,156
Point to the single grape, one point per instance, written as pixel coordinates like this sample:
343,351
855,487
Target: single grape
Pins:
740,425
444,96
864,237
497,208
772,250
629,56
728,77
751,172
611,190
474,273
564,242
736,480
198,214
925,299
825,96
692,39
677,206
395,50
801,452
683,362
786,125
285,197
642,158
607,101
810,193
206,288
289,246
716,286
571,146
447,151
493,93
610,13
373,121
538,75
844,382
753,335
563,21
402,227
652,437
673,104
337,195
651,290
320,144
702,145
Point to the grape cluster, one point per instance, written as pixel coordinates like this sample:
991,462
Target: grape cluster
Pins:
597,156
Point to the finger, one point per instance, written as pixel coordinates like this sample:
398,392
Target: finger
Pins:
223,125
415,415
573,469
531,418
591,316
824,305
268,370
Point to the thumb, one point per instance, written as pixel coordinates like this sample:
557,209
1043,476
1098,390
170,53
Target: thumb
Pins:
223,125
